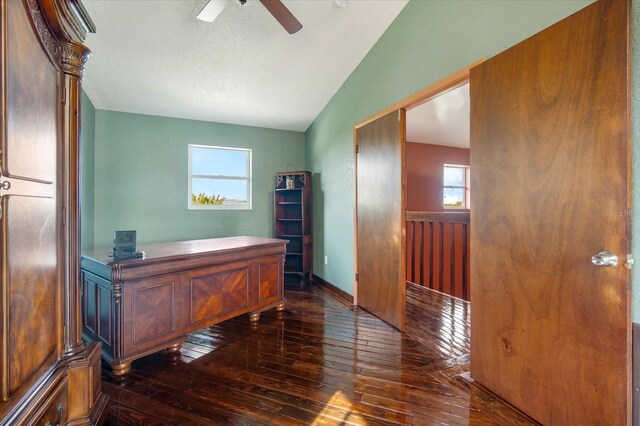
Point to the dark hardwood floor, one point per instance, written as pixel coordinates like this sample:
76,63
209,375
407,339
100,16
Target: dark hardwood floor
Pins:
319,362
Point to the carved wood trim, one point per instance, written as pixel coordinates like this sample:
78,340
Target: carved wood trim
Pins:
116,279
48,41
73,57
69,56
118,337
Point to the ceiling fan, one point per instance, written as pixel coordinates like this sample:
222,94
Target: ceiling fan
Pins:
279,11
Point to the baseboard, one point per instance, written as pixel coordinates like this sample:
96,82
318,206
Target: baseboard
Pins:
333,289
635,373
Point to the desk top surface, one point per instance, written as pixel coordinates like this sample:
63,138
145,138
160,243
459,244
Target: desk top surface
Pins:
184,248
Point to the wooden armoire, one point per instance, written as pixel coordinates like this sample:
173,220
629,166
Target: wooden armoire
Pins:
48,375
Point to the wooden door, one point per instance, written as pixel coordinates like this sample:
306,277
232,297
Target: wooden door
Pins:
549,163
29,225
380,222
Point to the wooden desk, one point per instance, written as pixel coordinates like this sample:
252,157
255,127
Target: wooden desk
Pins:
139,306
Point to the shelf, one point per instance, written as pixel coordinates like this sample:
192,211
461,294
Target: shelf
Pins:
292,220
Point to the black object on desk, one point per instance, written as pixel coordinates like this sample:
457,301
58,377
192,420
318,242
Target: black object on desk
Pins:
124,245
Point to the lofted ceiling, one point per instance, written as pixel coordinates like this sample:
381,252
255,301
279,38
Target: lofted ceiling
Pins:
155,57
444,120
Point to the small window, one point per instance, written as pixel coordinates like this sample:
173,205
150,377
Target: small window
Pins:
219,178
455,191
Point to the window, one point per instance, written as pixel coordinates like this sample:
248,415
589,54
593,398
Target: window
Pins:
455,191
219,178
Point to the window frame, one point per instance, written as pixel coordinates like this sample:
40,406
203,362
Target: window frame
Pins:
248,178
466,187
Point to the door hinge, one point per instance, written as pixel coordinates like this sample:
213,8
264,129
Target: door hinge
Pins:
629,263
398,115
357,277
63,93
357,149
64,216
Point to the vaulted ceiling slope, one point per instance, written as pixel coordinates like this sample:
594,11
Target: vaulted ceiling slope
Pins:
155,57
444,120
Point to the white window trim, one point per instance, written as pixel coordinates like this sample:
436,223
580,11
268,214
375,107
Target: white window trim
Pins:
466,187
248,178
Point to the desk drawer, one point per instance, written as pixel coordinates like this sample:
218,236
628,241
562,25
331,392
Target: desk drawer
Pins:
57,408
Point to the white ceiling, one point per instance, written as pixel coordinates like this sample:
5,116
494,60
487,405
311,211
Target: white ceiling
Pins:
444,120
155,57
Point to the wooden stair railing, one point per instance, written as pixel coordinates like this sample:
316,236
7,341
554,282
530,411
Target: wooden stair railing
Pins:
438,251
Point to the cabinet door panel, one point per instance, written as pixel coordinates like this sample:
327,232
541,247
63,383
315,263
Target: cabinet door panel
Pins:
218,293
30,147
90,305
150,313
31,275
31,288
269,280
97,305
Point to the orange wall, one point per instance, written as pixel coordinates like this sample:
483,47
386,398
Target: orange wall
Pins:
424,174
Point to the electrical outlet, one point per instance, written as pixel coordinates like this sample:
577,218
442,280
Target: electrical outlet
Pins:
326,260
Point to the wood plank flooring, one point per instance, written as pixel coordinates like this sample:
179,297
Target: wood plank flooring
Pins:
320,362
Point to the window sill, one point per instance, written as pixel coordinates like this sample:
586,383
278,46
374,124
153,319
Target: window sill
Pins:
217,208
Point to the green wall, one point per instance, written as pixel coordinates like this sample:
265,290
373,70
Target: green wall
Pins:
87,164
141,177
427,41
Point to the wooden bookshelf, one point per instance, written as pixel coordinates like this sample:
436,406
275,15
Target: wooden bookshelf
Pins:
292,216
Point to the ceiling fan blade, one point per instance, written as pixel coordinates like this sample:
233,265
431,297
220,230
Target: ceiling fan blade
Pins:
212,9
282,15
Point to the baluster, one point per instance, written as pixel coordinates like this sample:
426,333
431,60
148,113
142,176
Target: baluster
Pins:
422,253
465,263
413,251
431,283
452,259
441,254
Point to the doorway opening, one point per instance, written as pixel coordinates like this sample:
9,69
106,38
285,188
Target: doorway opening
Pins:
437,193
381,261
